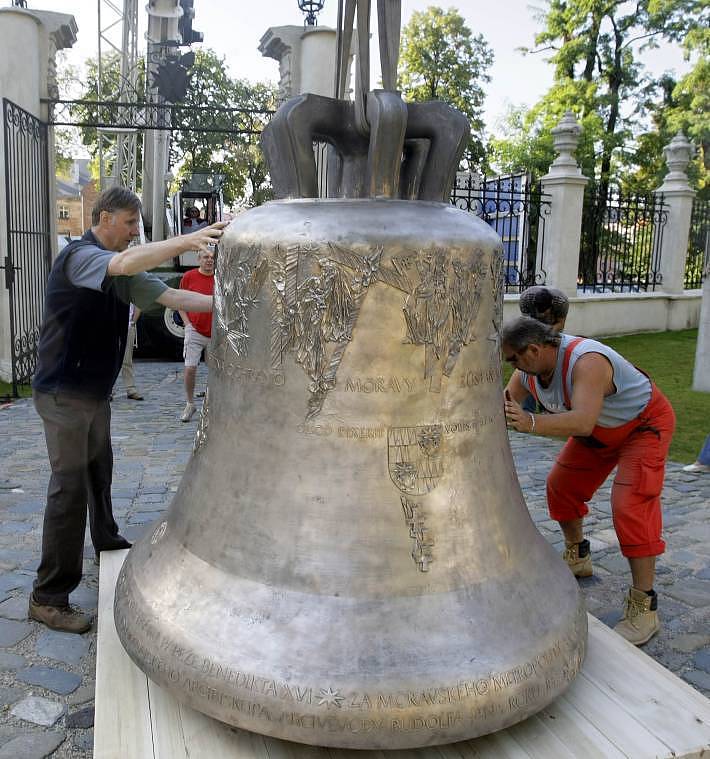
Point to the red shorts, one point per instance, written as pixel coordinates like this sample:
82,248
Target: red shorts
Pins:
639,449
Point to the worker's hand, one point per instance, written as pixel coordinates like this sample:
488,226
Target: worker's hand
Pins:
519,420
204,239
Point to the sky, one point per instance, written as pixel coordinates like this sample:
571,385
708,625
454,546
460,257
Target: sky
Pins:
233,28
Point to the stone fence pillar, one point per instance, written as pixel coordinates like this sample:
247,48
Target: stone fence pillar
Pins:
701,373
678,197
564,184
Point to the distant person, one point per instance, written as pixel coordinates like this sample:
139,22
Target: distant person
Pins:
201,222
613,417
702,463
549,306
198,326
546,304
127,373
81,347
192,221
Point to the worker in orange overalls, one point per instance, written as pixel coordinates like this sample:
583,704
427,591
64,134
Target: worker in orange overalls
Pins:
615,417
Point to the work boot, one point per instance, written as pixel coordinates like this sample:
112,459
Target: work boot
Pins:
188,411
579,558
640,622
64,618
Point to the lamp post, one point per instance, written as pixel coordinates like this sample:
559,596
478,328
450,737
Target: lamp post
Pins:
310,8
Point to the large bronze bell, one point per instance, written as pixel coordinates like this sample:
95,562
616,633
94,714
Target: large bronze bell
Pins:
349,560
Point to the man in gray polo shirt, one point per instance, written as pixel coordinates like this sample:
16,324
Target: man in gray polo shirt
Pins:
81,347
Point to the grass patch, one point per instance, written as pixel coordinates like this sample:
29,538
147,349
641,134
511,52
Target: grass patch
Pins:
669,357
25,391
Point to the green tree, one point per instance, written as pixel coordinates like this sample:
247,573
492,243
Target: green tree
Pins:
238,156
210,91
64,150
597,50
524,142
677,105
80,84
441,59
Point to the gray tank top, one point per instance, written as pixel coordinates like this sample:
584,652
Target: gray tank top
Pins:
633,388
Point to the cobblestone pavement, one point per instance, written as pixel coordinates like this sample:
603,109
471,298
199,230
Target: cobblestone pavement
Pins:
47,678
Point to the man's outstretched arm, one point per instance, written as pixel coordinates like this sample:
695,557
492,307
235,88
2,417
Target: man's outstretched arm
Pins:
185,300
146,257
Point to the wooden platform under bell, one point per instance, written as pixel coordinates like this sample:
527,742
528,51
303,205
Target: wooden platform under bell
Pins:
622,704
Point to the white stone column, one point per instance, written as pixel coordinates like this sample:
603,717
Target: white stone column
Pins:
678,197
564,183
701,373
29,41
306,58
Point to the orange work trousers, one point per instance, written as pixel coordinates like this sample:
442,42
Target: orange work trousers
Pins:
639,449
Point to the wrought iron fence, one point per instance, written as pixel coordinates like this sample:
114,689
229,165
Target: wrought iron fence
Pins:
697,262
621,241
517,210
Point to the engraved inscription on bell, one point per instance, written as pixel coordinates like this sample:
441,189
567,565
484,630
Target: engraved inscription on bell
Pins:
318,292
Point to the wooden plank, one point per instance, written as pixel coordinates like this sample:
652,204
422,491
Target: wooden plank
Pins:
122,716
183,733
278,749
484,747
667,707
500,744
294,750
426,752
619,726
537,741
584,739
344,753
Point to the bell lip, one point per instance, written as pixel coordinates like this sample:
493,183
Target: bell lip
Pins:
185,680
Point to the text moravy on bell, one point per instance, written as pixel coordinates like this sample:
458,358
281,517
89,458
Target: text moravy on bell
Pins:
348,560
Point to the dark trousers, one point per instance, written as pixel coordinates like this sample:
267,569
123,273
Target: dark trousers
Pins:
78,435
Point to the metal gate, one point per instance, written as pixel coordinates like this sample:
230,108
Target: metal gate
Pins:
697,261
29,251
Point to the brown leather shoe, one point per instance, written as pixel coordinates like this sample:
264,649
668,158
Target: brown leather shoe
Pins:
64,618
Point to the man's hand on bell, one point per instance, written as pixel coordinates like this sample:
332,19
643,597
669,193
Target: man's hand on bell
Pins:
515,416
205,238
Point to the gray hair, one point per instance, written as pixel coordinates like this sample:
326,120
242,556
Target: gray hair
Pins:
112,200
525,331
546,304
